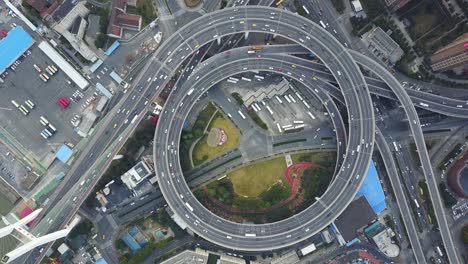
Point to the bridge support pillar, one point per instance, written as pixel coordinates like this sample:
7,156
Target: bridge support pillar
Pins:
219,41
246,34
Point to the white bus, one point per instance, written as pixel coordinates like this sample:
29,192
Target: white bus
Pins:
299,96
42,78
322,24
22,111
134,119
45,76
43,123
15,103
287,126
416,203
292,98
231,81
47,132
258,107
311,115
287,99
439,251
305,9
269,110
190,91
250,235
241,114
259,77
279,127
299,126
44,135
30,104
423,104
306,104
234,79
254,108
298,122
189,207
53,67
279,100
44,120
358,148
37,68
52,128
395,146
47,69
246,79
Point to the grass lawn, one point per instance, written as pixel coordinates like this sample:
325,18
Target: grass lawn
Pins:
321,158
423,23
257,178
192,3
202,152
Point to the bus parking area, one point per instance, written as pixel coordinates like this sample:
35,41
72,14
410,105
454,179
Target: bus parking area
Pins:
31,87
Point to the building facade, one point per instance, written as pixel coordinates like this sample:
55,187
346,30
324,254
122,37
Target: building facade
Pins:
451,56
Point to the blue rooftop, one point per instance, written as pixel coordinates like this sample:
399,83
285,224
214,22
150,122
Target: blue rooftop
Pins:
13,45
130,242
112,48
101,261
64,153
372,190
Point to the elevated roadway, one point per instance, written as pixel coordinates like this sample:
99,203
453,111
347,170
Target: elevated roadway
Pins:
342,190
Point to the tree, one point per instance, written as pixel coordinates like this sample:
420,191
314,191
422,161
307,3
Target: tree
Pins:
465,234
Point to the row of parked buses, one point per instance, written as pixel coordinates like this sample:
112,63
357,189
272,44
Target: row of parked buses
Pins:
51,70
22,108
49,129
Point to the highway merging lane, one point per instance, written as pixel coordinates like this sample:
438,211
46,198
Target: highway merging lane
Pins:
343,188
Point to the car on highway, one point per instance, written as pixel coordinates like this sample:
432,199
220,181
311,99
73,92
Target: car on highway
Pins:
115,125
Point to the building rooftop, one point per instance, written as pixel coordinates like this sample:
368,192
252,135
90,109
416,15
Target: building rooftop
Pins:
356,216
457,47
380,40
136,174
13,45
64,153
372,190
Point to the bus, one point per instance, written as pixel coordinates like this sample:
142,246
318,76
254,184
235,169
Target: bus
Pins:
52,128
250,235
246,79
134,119
47,132
189,207
269,110
44,135
306,10
15,103
30,104
279,127
423,104
416,203
292,98
43,123
234,79
254,108
37,68
306,104
439,251
395,145
299,96
258,107
190,91
231,81
287,99
241,114
45,76
22,111
53,67
322,24
44,120
49,71
42,78
259,77
311,115
299,126
279,100
298,122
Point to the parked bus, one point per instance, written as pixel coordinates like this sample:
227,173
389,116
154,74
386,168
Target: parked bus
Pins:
423,104
311,115
439,251
246,79
269,110
234,79
279,100
395,146
298,122
42,78
30,104
416,203
299,96
23,110
43,123
292,98
231,81
306,104
306,10
37,68
287,98
241,114
299,126
53,67
15,103
44,135
52,128
45,76
47,132
259,77
279,127
44,119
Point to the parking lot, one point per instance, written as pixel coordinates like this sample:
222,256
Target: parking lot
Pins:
14,171
288,110
22,82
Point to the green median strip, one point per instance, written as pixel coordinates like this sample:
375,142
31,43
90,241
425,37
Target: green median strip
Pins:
289,142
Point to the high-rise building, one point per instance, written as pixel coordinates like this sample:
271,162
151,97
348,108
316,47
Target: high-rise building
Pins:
453,55
394,5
